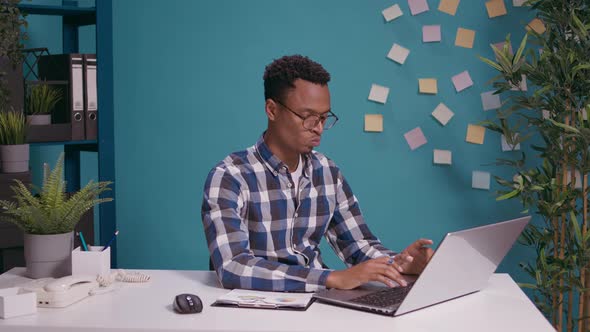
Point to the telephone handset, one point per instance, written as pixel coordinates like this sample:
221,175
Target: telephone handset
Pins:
59,293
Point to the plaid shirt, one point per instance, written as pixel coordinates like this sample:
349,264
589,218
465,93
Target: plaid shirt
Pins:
264,235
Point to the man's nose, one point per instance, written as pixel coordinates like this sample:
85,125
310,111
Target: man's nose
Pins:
319,128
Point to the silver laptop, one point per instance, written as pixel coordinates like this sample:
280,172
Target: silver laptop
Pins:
461,265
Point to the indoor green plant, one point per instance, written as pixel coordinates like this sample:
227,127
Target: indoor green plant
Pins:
41,99
48,216
554,183
14,150
12,35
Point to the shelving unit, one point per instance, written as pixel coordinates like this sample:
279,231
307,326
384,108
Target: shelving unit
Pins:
73,18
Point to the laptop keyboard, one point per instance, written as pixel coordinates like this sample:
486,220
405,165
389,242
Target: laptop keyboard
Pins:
385,298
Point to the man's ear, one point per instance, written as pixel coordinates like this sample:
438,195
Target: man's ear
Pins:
271,109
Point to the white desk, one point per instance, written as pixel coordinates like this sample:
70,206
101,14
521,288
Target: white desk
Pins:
502,306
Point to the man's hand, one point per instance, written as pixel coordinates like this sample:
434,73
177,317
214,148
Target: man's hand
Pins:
382,269
414,258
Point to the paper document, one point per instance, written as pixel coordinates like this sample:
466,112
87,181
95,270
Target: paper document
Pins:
265,300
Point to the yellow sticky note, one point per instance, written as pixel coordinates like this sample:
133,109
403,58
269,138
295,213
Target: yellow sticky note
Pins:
496,8
448,6
475,134
465,38
374,123
428,85
537,25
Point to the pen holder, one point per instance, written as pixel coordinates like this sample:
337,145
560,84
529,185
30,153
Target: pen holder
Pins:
95,261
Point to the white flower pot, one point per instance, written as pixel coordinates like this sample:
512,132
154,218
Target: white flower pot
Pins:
39,119
14,158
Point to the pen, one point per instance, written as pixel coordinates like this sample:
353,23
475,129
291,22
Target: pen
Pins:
84,246
111,240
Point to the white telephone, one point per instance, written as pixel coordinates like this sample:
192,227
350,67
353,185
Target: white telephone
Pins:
59,293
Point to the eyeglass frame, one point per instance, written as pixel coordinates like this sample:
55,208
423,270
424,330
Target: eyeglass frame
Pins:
318,117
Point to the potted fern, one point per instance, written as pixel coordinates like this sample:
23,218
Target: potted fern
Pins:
14,151
40,102
48,216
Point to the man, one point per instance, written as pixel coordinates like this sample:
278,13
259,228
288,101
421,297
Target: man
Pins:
266,209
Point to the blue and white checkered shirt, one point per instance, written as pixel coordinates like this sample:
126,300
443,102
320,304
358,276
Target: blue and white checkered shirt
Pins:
264,235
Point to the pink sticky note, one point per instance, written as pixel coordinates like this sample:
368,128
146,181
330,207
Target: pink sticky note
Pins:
462,81
431,33
415,138
500,46
418,6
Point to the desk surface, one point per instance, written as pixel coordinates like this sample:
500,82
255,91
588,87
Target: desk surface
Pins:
502,306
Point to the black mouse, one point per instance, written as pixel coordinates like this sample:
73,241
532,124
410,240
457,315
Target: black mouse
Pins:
187,304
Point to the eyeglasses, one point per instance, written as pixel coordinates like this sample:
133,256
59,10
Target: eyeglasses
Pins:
311,121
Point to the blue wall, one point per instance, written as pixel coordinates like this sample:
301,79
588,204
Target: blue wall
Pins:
188,91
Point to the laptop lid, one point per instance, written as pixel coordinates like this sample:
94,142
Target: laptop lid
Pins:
462,264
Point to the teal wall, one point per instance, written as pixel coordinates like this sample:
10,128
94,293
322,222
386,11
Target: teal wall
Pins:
188,91
46,31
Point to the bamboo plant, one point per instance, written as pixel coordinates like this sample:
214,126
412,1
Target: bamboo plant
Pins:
49,209
42,98
553,184
13,129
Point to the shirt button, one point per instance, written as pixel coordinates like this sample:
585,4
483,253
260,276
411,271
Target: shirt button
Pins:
296,215
275,173
289,185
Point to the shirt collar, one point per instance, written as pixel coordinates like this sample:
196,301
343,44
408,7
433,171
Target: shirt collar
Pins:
273,163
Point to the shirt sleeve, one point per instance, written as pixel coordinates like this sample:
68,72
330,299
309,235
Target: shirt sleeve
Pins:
348,233
229,246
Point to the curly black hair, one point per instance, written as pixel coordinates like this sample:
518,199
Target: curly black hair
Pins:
281,73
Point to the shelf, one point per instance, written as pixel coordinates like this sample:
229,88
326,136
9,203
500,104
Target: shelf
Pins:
90,142
78,16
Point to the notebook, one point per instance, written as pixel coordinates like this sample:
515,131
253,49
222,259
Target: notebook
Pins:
244,298
461,265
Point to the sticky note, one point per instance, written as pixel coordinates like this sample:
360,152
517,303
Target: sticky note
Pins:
448,6
415,138
537,26
379,93
518,3
431,33
392,13
509,147
443,157
496,8
522,86
418,6
475,134
490,101
428,85
578,176
398,54
480,180
462,81
465,38
374,123
546,114
442,114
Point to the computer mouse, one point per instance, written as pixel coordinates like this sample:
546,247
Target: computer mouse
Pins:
187,304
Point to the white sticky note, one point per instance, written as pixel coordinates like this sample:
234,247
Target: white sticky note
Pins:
379,93
523,85
490,101
546,114
431,33
443,157
578,176
415,138
398,54
518,3
392,13
480,180
508,147
442,114
462,81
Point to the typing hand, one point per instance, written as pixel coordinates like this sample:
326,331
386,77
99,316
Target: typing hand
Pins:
414,258
382,269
